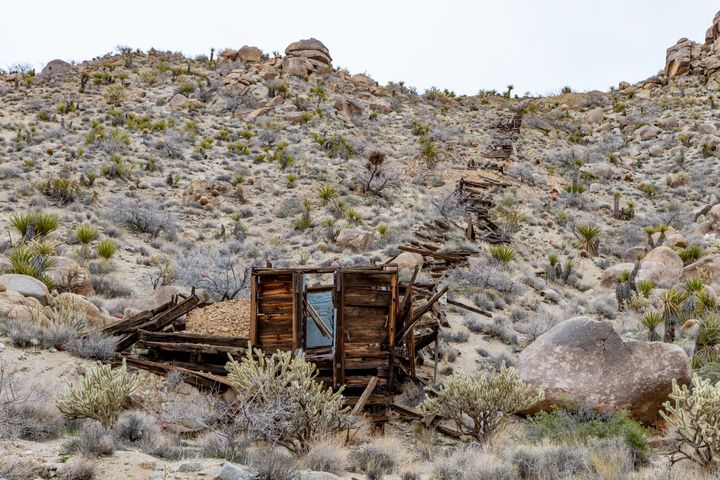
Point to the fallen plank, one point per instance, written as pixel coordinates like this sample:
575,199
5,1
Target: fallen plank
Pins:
469,308
360,405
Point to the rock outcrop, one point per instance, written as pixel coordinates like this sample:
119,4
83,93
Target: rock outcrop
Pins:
314,52
690,58
354,239
26,286
585,362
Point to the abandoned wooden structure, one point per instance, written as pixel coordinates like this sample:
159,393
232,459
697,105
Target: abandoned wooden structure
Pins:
360,326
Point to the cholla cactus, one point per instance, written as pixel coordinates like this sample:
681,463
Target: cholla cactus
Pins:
280,401
480,406
101,395
695,416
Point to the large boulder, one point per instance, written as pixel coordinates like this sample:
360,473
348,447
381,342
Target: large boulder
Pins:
678,58
348,106
230,471
585,362
707,268
249,54
662,265
607,280
713,33
56,68
314,51
15,306
354,239
67,273
296,66
595,116
78,303
407,261
27,286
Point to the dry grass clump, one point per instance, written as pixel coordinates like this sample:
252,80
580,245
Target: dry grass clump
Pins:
327,456
376,458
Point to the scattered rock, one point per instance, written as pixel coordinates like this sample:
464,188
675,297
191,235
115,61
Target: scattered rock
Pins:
190,467
311,475
585,362
662,265
363,82
229,471
707,268
26,286
348,106
355,240
595,116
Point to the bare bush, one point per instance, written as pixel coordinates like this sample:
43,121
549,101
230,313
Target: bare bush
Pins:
143,216
93,440
375,176
221,273
273,464
376,458
327,456
77,469
95,346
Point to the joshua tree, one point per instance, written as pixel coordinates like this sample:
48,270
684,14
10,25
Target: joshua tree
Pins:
671,302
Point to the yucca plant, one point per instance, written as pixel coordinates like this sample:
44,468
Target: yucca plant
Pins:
691,253
651,320
671,302
645,288
106,249
502,253
31,225
589,237
709,333
327,192
692,288
382,229
85,234
30,260
353,215
650,231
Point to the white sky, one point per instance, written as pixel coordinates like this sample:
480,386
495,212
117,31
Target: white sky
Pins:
537,45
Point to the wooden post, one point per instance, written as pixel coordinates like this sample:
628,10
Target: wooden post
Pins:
339,360
437,355
391,332
470,230
365,396
253,310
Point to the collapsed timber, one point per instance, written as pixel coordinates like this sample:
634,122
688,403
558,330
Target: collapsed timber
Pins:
363,329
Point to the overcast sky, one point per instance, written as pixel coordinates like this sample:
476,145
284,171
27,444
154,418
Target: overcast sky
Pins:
538,45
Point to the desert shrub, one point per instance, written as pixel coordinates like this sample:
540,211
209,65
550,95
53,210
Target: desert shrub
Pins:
580,425
145,217
454,336
273,464
374,176
92,440
62,190
611,458
111,286
135,427
471,463
281,401
694,417
551,462
589,237
27,420
25,334
96,346
227,445
76,469
221,273
479,406
15,468
376,458
327,456
115,94
101,394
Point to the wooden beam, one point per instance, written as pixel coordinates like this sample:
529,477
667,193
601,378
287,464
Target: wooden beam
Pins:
360,405
417,314
253,310
469,308
324,330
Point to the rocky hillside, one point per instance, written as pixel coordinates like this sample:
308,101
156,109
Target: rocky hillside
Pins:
596,263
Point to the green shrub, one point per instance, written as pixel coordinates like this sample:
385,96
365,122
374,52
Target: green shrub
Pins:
280,400
578,425
31,260
479,406
106,249
589,237
502,253
34,224
101,394
327,193
62,190
85,234
691,253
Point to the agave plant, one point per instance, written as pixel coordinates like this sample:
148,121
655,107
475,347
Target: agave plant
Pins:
327,193
645,288
31,260
32,225
691,253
